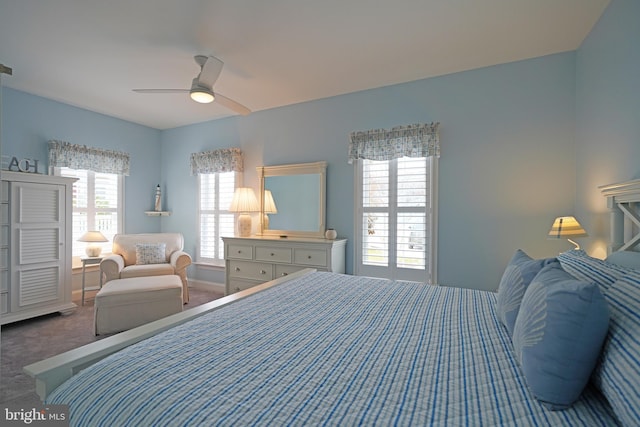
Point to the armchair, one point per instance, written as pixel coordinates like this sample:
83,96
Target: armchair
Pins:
123,263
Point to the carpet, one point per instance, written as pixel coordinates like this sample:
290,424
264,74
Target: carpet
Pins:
32,340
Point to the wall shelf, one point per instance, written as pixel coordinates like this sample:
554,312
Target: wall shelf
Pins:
157,213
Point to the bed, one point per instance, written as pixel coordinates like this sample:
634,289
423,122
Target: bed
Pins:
320,348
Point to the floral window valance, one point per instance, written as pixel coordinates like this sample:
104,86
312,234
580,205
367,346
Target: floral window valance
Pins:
222,160
419,140
64,154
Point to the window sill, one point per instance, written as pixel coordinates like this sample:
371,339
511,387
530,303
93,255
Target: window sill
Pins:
208,265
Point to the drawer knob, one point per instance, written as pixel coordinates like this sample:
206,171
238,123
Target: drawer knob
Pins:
239,251
237,268
285,274
263,272
272,254
309,257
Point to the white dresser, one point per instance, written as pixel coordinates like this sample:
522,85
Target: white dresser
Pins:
250,261
35,271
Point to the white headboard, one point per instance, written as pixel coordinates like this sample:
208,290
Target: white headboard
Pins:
623,200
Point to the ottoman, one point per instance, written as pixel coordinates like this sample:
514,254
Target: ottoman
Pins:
123,304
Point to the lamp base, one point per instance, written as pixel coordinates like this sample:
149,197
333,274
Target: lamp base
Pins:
244,225
93,251
577,245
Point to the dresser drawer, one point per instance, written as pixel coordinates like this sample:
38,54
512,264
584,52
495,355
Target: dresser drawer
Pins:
285,270
240,252
314,257
237,285
265,253
250,270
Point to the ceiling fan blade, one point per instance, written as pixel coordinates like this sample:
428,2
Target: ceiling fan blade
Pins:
210,71
161,90
231,104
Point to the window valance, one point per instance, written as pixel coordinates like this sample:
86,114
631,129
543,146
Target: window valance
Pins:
221,160
418,140
64,154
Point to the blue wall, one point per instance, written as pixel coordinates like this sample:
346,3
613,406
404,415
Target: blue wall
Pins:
29,121
521,143
506,171
607,114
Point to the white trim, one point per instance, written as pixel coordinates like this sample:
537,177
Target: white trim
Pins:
319,168
205,285
433,204
429,273
199,260
208,265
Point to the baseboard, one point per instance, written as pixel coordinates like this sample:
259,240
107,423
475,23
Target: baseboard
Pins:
206,285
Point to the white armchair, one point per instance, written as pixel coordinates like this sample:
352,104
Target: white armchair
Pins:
124,263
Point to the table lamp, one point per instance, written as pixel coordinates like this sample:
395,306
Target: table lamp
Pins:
269,208
565,227
92,238
244,201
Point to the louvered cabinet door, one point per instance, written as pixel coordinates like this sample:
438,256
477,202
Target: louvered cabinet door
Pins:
37,242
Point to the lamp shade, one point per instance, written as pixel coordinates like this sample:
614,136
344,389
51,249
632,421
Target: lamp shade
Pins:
244,200
269,203
566,226
92,236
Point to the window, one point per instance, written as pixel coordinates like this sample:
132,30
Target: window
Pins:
395,219
97,205
215,221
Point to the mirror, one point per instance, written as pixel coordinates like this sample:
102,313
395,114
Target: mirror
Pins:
298,196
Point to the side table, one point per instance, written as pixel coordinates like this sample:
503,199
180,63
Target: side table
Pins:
89,261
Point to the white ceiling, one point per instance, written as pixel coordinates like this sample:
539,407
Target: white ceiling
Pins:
91,53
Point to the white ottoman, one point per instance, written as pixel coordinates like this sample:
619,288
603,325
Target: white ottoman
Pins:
123,304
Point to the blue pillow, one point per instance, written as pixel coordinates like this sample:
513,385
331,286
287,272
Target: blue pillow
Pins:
618,373
558,335
515,279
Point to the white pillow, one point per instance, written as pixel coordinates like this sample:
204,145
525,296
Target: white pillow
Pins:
629,259
150,253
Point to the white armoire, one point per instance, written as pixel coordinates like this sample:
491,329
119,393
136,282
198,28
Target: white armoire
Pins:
36,221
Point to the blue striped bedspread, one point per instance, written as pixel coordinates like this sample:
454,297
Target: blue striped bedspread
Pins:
325,349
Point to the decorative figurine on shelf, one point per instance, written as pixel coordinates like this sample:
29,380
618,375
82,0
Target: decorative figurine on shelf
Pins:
158,206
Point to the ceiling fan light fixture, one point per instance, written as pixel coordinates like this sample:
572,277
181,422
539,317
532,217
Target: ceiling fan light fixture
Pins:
202,96
200,93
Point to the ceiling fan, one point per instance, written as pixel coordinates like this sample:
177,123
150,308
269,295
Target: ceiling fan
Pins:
202,86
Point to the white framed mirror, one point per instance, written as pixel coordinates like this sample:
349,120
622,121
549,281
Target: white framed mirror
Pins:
293,199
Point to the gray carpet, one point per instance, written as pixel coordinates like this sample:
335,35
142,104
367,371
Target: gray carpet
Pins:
29,341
